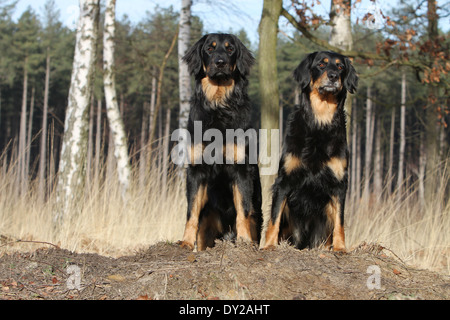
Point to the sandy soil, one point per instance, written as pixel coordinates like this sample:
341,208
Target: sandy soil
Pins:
228,271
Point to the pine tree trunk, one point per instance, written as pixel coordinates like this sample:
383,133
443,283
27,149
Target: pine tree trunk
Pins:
184,78
368,146
391,153
29,135
159,88
358,162
431,120
43,142
74,145
165,160
378,162
22,134
354,127
116,125
98,140
143,149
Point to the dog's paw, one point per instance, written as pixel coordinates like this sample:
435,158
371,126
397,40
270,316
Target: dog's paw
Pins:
186,245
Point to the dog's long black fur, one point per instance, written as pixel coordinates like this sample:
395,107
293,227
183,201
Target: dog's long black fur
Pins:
224,200
309,192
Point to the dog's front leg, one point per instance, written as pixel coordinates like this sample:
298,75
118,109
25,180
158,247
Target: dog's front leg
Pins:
197,197
273,229
246,222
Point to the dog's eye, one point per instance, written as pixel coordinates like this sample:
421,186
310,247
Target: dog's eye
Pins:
340,67
322,65
230,49
210,49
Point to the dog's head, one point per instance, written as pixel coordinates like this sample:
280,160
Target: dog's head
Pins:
327,72
219,56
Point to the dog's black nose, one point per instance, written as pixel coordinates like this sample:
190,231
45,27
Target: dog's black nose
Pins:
220,63
333,76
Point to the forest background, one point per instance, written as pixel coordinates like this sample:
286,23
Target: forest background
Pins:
398,122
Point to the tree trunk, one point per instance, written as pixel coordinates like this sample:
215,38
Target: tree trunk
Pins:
29,135
98,140
184,77
74,145
358,162
369,141
431,120
116,125
165,161
43,143
341,30
354,127
378,162
143,149
268,74
341,37
401,157
23,129
158,92
391,153
151,123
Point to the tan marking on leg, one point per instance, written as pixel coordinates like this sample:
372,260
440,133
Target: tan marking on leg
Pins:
243,225
191,228
338,166
333,210
209,229
291,163
273,229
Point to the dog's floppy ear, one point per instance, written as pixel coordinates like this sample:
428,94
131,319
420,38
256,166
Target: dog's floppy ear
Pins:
193,56
245,59
302,74
351,79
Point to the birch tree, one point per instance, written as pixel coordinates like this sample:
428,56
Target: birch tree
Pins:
341,30
401,154
74,146
341,37
183,45
116,125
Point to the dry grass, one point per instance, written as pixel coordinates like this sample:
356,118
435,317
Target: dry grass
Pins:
103,224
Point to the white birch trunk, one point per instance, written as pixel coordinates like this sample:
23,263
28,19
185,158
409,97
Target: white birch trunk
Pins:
401,157
184,78
341,30
112,107
73,151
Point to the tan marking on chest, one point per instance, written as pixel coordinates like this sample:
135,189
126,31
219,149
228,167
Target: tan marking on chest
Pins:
217,91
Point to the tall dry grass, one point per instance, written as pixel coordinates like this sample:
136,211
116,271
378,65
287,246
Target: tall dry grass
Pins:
103,224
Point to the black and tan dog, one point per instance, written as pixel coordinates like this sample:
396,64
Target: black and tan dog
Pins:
309,192
224,199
